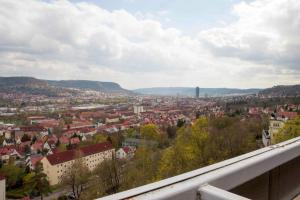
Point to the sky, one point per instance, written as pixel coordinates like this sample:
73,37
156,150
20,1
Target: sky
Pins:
142,43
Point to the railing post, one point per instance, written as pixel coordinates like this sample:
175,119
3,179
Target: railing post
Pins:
208,192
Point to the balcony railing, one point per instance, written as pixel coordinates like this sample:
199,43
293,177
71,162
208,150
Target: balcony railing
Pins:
216,181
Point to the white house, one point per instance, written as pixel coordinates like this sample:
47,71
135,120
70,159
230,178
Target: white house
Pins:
125,152
8,152
112,120
8,142
138,109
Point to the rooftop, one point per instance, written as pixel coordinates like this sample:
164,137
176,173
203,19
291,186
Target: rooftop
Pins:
65,156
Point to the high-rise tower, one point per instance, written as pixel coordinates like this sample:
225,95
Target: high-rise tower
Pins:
197,92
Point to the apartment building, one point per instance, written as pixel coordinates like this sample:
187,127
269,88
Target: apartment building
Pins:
276,125
55,165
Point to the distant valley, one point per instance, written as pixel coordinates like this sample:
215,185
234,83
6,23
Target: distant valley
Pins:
34,86
190,91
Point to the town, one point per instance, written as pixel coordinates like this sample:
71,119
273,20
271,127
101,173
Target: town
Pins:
151,100
68,147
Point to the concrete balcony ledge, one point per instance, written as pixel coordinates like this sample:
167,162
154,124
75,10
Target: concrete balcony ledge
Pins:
226,175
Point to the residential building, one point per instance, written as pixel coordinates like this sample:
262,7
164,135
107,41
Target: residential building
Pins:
138,109
112,119
8,152
8,142
266,138
125,152
57,164
276,125
197,92
138,142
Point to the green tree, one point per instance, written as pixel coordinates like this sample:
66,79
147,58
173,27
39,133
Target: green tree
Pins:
58,130
207,141
13,174
180,123
291,129
150,132
231,136
142,169
116,140
188,152
68,120
25,138
171,131
37,181
130,133
98,138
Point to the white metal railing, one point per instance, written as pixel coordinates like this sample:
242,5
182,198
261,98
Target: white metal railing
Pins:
224,175
208,192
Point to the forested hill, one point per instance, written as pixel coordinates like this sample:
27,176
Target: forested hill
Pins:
282,90
30,85
21,81
90,85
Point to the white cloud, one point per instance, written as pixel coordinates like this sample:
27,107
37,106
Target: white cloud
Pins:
64,40
267,32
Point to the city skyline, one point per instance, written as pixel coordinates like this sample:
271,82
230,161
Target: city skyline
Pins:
234,44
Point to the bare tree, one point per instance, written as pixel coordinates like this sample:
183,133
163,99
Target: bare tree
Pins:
109,173
77,176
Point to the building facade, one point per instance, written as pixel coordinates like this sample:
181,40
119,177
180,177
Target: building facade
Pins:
197,92
57,164
138,109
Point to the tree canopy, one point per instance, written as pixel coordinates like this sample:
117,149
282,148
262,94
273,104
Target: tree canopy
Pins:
291,129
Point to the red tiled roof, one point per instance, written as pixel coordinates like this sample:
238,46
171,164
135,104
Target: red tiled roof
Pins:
289,115
127,149
49,123
78,124
32,128
35,159
38,145
75,140
65,156
64,140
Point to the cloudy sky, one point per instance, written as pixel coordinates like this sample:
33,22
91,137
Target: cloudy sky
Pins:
142,43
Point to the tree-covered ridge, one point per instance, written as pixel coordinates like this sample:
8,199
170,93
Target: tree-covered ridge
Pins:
282,90
30,85
90,85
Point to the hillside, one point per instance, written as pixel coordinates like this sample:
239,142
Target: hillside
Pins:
282,90
88,85
30,85
27,85
21,81
189,91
